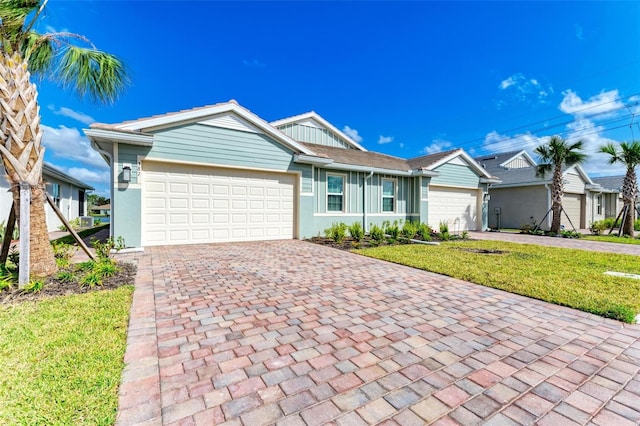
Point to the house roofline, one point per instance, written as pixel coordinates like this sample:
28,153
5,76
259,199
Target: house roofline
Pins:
314,115
163,121
462,153
523,152
54,172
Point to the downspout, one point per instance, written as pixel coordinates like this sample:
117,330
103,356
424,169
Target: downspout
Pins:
364,202
111,174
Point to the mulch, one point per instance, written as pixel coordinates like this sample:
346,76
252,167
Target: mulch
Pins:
53,287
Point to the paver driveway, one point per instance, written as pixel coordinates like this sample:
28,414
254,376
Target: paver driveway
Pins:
299,334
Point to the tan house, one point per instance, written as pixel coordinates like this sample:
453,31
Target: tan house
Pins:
522,198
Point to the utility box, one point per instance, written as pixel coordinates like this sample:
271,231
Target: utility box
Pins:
86,221
497,210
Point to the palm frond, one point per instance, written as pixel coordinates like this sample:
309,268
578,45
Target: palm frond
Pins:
39,50
13,16
92,73
543,169
611,150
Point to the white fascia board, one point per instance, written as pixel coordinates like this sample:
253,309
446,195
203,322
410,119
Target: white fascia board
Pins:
115,136
171,119
523,153
308,159
315,116
490,180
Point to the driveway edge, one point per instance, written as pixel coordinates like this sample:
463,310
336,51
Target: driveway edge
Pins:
139,395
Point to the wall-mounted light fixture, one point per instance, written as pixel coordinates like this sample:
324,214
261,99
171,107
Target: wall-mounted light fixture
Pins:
126,173
487,197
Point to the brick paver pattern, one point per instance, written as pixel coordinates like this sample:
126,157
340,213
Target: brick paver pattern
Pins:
293,333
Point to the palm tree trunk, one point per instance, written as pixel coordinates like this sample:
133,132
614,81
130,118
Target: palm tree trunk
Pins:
629,191
23,153
556,200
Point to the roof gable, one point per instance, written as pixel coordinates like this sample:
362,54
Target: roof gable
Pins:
229,114
313,119
457,156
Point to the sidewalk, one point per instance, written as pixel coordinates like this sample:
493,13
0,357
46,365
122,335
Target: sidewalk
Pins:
577,243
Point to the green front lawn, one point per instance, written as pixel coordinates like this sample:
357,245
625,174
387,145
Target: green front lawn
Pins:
68,239
611,239
61,358
565,277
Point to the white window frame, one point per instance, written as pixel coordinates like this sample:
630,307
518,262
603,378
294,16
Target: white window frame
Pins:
599,199
343,194
52,193
394,196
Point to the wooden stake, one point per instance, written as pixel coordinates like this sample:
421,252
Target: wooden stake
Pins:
25,234
70,228
8,236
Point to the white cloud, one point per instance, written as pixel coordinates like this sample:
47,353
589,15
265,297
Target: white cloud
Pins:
76,115
70,144
437,145
88,175
385,139
599,104
522,88
495,142
352,133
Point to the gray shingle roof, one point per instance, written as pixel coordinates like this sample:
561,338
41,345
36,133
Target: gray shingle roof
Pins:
428,160
492,162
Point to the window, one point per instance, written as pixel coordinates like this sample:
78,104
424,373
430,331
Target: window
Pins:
388,195
599,204
335,193
55,193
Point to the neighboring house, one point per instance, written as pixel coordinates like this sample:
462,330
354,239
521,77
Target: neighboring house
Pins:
614,200
68,193
522,198
221,173
103,210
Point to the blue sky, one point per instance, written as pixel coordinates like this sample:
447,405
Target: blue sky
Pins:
403,78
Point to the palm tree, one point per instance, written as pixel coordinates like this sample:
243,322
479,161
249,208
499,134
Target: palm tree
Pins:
555,155
25,53
629,156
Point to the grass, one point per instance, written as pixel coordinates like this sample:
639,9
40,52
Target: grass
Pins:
68,239
61,358
611,239
565,277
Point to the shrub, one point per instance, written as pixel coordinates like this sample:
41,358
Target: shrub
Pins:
63,253
444,227
424,231
376,233
92,279
33,286
103,250
87,266
636,225
14,256
66,276
96,222
391,229
337,232
409,229
106,268
598,227
465,235
445,236
356,231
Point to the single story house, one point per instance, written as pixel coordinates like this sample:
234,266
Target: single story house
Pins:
522,198
614,201
69,194
102,210
220,173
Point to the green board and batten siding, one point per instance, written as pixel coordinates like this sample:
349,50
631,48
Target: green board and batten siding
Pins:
302,133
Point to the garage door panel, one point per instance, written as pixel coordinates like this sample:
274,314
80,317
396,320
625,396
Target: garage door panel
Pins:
572,205
455,206
200,204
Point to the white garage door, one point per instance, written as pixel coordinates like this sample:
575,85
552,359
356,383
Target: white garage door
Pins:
191,204
456,206
572,204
